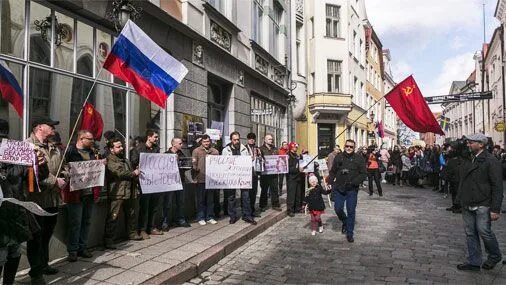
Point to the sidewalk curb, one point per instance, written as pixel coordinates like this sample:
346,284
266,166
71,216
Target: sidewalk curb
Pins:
194,266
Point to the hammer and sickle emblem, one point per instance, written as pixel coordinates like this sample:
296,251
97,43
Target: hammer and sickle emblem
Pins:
90,111
408,90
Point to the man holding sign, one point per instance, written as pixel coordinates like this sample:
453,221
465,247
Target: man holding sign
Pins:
121,193
236,148
79,202
48,198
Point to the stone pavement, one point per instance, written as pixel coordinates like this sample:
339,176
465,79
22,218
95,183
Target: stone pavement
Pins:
404,237
174,257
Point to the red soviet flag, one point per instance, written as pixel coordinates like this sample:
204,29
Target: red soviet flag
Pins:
92,121
409,104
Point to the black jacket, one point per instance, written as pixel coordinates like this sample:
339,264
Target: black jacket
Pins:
481,183
135,153
314,199
347,170
293,167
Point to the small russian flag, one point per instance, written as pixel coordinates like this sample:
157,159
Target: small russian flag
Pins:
10,89
137,59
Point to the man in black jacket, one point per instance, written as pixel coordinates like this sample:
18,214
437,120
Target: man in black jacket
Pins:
149,203
480,195
347,173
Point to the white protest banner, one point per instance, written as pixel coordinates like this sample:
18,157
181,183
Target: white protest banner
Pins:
276,164
214,134
86,174
228,172
159,173
16,152
322,164
30,206
309,167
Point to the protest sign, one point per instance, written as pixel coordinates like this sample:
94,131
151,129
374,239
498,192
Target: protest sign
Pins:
17,152
276,164
322,164
86,174
159,173
228,172
304,162
214,134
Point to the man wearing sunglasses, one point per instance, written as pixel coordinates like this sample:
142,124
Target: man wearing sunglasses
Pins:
347,173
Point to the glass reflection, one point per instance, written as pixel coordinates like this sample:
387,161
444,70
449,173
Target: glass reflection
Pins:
12,27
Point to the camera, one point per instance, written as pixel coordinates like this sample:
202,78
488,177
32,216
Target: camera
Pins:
345,171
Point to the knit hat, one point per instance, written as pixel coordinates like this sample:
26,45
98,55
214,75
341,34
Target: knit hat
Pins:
292,145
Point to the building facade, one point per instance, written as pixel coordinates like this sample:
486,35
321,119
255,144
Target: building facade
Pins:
374,86
238,55
336,75
390,118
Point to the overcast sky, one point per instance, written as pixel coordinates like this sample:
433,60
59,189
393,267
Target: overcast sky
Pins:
434,40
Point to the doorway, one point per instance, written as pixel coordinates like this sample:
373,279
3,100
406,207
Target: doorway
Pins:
326,139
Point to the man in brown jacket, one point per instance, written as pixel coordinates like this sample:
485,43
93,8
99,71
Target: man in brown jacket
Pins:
205,211
48,198
121,193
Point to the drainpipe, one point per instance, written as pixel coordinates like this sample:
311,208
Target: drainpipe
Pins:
503,81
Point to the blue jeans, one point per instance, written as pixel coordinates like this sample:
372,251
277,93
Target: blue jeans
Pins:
78,217
478,224
245,203
348,219
205,203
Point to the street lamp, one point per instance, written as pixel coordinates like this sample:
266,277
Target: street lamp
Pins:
122,11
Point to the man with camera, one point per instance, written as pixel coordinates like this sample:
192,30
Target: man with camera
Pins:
480,195
347,173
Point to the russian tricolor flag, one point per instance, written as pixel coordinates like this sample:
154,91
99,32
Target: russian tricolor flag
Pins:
10,89
137,59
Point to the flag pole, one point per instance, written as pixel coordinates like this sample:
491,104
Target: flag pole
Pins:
77,120
348,127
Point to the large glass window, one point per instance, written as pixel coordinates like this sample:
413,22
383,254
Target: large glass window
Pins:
267,118
64,44
12,27
333,25
84,46
40,33
258,12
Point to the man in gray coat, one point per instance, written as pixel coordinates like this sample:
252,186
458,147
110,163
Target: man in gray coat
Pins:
480,195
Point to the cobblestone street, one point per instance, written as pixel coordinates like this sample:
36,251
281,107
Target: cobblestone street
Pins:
404,237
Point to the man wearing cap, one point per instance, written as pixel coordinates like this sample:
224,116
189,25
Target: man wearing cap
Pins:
48,198
480,195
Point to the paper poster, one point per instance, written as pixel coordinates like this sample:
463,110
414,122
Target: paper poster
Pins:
228,172
276,164
16,152
30,206
214,134
159,173
87,174
305,162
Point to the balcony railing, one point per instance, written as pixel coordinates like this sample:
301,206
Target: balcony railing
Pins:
330,103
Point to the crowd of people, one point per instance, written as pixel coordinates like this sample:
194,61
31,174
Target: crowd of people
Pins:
458,167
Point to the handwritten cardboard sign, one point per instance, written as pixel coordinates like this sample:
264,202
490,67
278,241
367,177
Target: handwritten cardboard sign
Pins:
276,164
86,174
16,152
228,172
159,173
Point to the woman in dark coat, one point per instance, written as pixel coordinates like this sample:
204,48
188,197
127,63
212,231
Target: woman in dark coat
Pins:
396,162
294,180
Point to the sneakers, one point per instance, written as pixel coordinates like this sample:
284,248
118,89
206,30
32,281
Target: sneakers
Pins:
156,232
212,222
145,235
383,181
313,233
320,229
202,223
468,267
